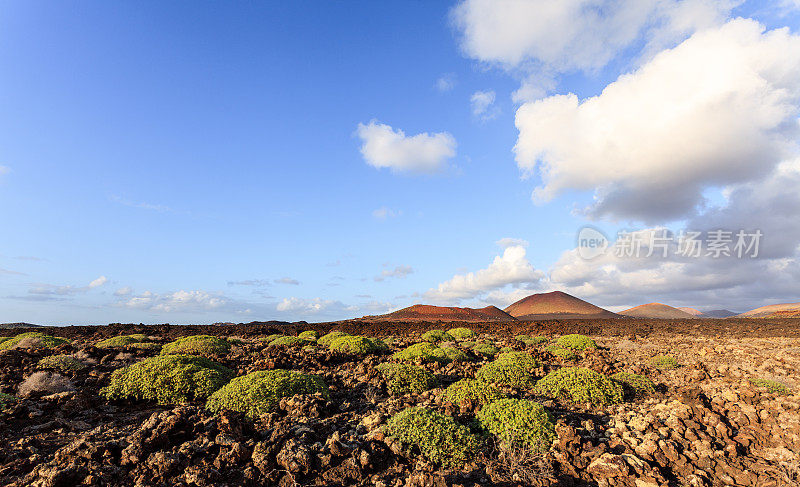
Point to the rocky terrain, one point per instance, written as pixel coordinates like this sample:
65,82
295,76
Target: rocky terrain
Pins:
724,409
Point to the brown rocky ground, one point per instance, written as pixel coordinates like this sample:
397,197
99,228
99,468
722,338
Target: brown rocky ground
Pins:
707,425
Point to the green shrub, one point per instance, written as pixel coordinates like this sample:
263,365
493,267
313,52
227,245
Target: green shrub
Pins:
472,390
461,333
425,351
121,341
563,353
235,340
511,369
288,341
439,437
309,335
2,339
664,362
390,340
257,393
6,400
486,349
41,340
203,345
168,379
454,354
145,346
576,342
580,385
356,345
268,339
772,386
468,344
435,336
62,363
326,340
638,385
529,340
405,378
518,422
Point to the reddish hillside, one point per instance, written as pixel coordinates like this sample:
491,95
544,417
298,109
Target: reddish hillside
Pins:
786,310
657,310
555,305
426,312
692,311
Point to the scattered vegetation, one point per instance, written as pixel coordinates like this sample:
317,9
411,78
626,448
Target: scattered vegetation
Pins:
288,341
772,386
513,369
576,342
519,422
326,340
427,352
203,345
486,349
454,354
435,336
404,378
6,400
357,345
122,341
309,335
45,383
439,437
636,385
467,344
461,333
530,341
257,393
664,362
471,390
168,379
580,385
32,339
563,353
268,339
63,363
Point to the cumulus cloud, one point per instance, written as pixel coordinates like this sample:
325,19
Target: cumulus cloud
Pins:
719,109
123,291
483,105
382,146
68,290
510,268
186,301
399,272
98,282
383,213
538,39
312,306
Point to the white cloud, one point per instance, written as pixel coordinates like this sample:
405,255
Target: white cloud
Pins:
399,272
510,268
98,282
382,146
543,38
123,291
483,104
311,306
719,109
187,301
446,82
287,280
383,213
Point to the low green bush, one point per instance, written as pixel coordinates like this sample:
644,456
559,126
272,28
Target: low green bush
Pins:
518,422
145,346
580,385
467,344
636,385
168,379
461,333
471,390
203,345
356,345
664,362
563,353
39,340
487,349
268,339
772,386
326,340
257,393
62,363
576,342
121,341
288,341
403,378
435,336
513,369
454,354
529,340
425,351
309,335
439,437
6,400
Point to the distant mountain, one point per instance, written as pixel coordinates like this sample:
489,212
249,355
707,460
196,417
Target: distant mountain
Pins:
786,310
657,310
692,311
426,312
719,313
6,326
556,305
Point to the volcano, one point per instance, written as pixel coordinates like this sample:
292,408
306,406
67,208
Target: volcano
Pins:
426,312
556,305
785,310
657,310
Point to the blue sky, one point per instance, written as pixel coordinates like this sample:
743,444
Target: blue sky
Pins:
194,162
